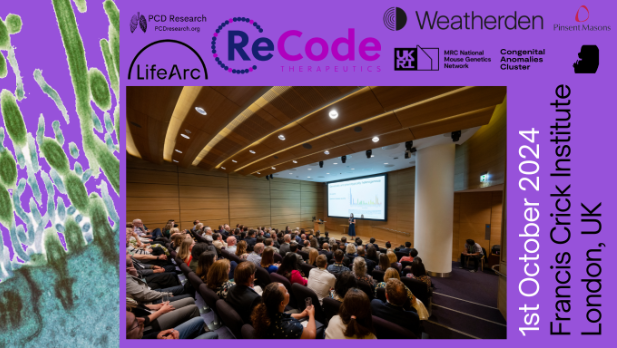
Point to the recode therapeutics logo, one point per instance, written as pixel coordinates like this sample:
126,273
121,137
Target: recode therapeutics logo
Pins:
239,46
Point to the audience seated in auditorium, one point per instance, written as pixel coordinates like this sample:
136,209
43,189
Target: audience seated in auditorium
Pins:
206,259
384,262
242,297
285,247
194,327
184,251
372,253
156,277
270,320
344,241
392,310
167,229
241,250
218,242
393,261
325,250
345,281
290,270
255,256
297,237
218,278
306,244
372,242
207,234
231,244
198,248
313,253
140,229
393,273
359,270
354,319
337,266
320,280
314,244
350,254
471,256
334,247
406,249
293,249
267,260
250,239
389,246
370,264
270,243
412,253
419,272
138,289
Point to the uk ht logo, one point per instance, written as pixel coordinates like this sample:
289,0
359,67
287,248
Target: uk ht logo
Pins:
416,59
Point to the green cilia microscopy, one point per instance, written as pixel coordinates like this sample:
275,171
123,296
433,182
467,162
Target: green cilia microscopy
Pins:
60,286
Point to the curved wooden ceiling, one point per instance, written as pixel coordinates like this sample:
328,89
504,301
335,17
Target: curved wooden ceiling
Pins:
241,129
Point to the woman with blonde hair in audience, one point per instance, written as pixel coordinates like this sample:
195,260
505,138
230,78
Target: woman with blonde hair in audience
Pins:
267,260
270,320
206,260
313,253
350,254
359,270
393,273
241,250
394,260
218,278
167,229
184,252
176,241
354,319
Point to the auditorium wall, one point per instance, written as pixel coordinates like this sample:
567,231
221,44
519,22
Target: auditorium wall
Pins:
156,193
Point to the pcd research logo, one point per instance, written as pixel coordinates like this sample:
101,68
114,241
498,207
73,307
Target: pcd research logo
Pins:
416,59
140,20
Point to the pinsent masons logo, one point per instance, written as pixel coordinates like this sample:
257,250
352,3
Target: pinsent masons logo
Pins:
582,16
140,20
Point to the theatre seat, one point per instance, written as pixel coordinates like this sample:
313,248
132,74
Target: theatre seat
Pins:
262,277
388,330
305,255
330,308
275,277
306,269
230,318
406,263
209,296
231,257
195,280
301,293
278,258
378,275
381,294
248,331
186,270
399,255
367,289
419,289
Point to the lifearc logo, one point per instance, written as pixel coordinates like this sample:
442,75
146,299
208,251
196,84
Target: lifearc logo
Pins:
582,16
166,72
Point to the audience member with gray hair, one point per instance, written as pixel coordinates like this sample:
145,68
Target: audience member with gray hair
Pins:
231,244
255,256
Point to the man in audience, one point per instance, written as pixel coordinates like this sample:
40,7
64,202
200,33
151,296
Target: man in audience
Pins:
472,254
392,310
138,289
372,241
405,250
195,225
231,244
135,330
208,233
269,243
140,229
323,239
140,261
306,244
370,264
285,247
242,297
293,248
255,256
227,229
297,237
156,260
251,240
337,266
155,276
325,250
320,280
412,253
217,241
344,241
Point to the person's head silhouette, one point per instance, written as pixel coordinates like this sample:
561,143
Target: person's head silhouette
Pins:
590,59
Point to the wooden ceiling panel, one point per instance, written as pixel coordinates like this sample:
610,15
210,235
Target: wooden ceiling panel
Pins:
384,140
318,145
372,128
468,120
156,102
294,134
462,101
240,95
394,97
352,109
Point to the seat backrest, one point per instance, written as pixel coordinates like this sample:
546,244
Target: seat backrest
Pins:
248,331
383,250
306,269
230,318
301,292
209,296
406,263
278,258
229,256
367,289
330,308
378,275
388,330
304,254
195,280
172,252
331,261
418,288
185,269
399,255
262,277
381,294
275,277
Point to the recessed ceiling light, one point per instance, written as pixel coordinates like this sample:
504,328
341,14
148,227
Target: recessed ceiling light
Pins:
295,161
333,114
201,110
385,163
258,173
273,168
178,151
234,161
223,168
327,152
176,161
185,136
375,139
353,168
290,173
327,173
334,163
309,169
308,177
251,151
372,156
282,137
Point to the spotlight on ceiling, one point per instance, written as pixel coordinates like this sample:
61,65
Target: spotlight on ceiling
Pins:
294,161
234,161
273,168
282,137
456,135
201,110
320,164
175,161
327,152
343,159
178,151
333,114
185,136
251,151
258,173
369,153
375,139
223,168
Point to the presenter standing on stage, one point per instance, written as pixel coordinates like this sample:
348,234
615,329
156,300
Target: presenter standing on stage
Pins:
352,226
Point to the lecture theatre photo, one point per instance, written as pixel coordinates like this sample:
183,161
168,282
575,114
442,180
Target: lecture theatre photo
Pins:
316,212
